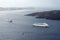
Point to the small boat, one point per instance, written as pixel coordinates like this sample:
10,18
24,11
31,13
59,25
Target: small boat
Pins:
10,21
45,25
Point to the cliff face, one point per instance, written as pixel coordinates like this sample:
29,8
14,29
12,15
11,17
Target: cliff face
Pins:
54,14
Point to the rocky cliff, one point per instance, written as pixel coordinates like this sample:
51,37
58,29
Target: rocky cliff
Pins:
54,14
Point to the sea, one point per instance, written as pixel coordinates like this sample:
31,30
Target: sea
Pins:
21,27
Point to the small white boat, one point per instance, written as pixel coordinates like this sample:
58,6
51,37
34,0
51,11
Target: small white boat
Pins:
41,25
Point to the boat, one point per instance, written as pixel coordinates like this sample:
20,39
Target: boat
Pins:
10,21
45,25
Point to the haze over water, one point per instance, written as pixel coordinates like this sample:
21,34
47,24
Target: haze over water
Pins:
21,28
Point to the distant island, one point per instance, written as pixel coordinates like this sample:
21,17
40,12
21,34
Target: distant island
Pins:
52,15
14,8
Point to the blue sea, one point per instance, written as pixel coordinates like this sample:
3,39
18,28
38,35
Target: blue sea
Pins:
21,28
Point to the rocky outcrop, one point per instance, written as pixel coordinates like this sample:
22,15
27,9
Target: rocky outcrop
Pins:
54,14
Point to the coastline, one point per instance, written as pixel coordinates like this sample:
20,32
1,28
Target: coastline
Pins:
52,15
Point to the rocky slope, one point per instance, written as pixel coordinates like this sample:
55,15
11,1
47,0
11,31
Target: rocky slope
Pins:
54,14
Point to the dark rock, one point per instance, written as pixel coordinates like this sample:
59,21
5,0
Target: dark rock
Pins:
54,14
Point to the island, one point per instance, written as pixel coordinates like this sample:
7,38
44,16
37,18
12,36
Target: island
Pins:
52,15
14,8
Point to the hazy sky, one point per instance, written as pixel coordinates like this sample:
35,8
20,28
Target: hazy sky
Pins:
29,3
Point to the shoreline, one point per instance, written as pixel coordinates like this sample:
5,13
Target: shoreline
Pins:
51,15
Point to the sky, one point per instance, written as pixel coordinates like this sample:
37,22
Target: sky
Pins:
29,3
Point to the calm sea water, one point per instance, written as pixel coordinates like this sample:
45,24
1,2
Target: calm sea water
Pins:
21,28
